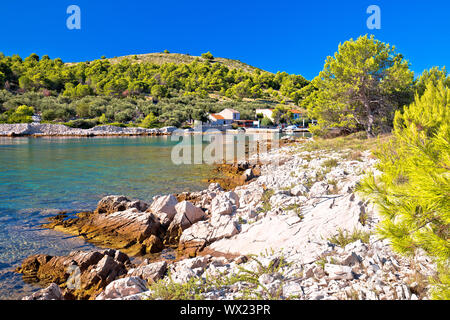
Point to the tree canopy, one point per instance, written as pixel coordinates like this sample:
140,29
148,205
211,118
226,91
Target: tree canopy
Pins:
413,191
361,87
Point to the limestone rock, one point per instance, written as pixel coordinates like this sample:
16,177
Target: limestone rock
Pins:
122,288
150,272
187,215
52,292
124,230
299,190
86,272
110,204
337,272
164,208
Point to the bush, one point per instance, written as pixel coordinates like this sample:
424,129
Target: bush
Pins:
207,56
81,124
150,121
266,122
22,114
413,190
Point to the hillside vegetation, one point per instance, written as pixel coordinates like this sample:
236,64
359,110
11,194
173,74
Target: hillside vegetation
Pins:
174,88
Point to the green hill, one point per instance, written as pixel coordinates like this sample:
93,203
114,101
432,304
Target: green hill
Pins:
174,88
160,58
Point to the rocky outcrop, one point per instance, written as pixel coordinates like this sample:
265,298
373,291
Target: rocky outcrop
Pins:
52,292
164,208
111,204
151,272
44,129
296,229
230,176
117,223
82,275
123,288
186,215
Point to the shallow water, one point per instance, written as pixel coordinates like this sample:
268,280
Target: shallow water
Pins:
39,177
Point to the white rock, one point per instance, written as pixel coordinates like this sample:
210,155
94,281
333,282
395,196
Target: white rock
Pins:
164,208
187,214
338,272
299,190
122,288
52,292
151,272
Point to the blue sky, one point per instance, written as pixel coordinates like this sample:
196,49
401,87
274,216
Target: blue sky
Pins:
292,36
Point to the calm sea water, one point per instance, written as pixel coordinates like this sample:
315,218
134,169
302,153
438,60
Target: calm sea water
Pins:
39,177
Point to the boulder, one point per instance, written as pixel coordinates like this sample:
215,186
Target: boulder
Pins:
126,230
337,272
187,215
110,204
150,272
182,271
123,288
201,234
248,175
350,259
52,292
164,208
225,203
84,274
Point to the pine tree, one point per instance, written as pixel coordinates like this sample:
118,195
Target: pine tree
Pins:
413,191
361,87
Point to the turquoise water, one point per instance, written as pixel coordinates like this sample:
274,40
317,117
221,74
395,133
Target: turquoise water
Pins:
39,177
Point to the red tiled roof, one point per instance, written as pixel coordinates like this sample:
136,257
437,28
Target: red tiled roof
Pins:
295,111
217,116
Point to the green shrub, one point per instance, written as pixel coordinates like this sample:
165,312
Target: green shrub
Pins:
150,121
22,114
266,122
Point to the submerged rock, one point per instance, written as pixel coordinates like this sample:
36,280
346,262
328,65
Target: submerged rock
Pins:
131,230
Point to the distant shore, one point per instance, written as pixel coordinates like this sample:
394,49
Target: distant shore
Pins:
59,130
43,130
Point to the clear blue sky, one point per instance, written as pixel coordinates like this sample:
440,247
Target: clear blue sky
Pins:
292,36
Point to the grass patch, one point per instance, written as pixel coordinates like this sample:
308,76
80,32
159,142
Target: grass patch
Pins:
330,163
167,289
354,156
344,237
296,208
352,142
265,200
334,188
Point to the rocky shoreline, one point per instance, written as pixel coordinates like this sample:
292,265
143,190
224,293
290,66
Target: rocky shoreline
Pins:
50,130
294,228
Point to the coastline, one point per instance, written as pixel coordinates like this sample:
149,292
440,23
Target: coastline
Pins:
286,215
58,130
